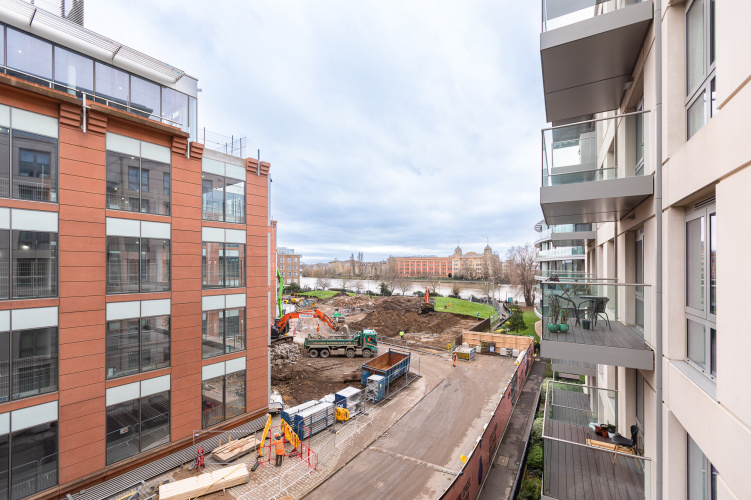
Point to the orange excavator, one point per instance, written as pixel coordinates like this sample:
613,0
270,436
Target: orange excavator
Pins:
427,306
280,327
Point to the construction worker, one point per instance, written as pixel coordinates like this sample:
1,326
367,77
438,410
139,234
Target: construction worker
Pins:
478,315
453,358
401,335
318,328
278,449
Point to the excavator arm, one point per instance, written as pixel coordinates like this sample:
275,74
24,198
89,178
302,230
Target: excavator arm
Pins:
281,326
279,292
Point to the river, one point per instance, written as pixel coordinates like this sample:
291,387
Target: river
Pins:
477,288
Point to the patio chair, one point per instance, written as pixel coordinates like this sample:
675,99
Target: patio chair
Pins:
570,304
600,310
623,442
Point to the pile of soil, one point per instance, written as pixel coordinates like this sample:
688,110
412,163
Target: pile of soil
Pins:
313,378
398,303
390,322
334,297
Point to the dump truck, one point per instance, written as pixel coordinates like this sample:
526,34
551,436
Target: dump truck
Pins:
364,343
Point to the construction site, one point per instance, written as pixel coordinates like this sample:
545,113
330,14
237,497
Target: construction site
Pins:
358,409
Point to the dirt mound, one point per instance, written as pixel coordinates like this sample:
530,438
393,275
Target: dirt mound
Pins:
334,297
398,303
390,322
355,301
314,378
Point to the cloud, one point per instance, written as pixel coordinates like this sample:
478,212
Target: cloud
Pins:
391,127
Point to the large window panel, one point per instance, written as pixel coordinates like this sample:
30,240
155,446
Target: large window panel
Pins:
695,49
4,264
34,264
122,346
696,340
696,115
34,167
34,458
234,264
73,72
122,193
700,64
155,420
212,401
212,197
112,86
4,369
234,330
155,193
695,263
175,108
212,264
235,394
4,465
122,264
145,96
155,265
235,195
713,263
212,333
30,55
4,162
122,440
34,362
155,343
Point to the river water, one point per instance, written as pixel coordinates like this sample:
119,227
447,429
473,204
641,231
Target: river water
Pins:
479,289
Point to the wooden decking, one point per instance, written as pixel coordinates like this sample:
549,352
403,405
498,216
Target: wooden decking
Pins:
618,335
579,473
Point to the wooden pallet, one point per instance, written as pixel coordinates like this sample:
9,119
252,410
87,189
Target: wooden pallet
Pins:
233,449
204,484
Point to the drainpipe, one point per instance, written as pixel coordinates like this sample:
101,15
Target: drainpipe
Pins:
269,316
658,219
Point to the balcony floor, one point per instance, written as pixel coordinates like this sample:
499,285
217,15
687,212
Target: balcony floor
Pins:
620,345
577,473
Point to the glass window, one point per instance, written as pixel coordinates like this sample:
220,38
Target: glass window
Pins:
212,401
112,85
122,431
701,475
30,55
155,343
193,118
4,264
4,458
73,71
34,167
696,343
145,96
155,420
695,49
34,365
34,264
175,108
155,265
695,263
34,458
122,264
123,347
212,264
212,333
235,330
234,265
155,195
695,115
235,201
4,370
235,394
212,197
700,64
4,162
713,263
122,192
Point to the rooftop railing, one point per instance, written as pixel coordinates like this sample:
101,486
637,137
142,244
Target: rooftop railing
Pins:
559,13
596,150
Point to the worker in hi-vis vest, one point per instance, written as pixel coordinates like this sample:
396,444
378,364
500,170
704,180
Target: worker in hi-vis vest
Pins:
453,358
278,449
401,336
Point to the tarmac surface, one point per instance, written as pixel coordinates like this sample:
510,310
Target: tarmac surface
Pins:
419,455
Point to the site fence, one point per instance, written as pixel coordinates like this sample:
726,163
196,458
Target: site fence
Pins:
468,482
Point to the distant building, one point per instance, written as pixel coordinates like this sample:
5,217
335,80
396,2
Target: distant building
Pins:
288,263
469,265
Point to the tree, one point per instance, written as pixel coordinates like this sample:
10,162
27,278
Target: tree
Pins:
456,289
465,270
516,319
292,288
433,283
403,285
391,275
358,286
522,271
346,280
322,283
385,291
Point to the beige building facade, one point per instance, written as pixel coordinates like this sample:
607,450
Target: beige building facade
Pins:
649,105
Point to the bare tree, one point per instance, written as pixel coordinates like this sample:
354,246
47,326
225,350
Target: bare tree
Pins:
404,285
346,280
456,288
391,275
433,283
465,270
358,286
323,283
522,271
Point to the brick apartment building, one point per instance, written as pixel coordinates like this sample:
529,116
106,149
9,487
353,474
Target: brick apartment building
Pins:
134,265
471,264
288,263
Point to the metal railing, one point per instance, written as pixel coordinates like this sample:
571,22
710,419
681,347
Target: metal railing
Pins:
559,13
228,144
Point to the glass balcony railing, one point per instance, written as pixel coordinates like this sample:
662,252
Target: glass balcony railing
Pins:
565,275
546,232
584,444
597,312
596,150
560,252
559,13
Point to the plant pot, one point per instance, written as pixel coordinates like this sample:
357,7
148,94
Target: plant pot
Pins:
586,324
563,327
553,327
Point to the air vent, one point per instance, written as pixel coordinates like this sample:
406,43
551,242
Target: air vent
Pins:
703,203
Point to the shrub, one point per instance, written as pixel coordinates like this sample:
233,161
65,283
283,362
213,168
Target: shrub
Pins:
530,489
537,430
534,459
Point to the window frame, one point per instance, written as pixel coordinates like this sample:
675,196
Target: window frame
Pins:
709,472
707,84
705,317
53,330
139,423
242,325
140,321
107,257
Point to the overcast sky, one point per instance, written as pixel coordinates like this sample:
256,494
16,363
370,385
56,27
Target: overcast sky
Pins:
392,127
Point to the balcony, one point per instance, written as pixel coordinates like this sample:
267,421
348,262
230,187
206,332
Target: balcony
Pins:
607,323
560,253
596,170
565,235
588,50
579,464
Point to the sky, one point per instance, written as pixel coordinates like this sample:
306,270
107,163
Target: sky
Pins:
392,127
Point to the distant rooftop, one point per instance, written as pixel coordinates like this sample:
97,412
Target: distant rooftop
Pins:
285,251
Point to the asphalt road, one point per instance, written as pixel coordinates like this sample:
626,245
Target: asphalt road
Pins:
418,456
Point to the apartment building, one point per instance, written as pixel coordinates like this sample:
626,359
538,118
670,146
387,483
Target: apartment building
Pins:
560,249
133,262
648,102
290,265
459,264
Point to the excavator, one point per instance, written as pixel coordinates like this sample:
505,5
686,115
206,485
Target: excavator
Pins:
427,306
280,328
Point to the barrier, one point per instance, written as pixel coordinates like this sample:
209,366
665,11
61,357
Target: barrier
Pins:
467,483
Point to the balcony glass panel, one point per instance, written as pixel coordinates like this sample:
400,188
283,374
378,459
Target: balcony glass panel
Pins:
596,150
561,252
112,86
73,72
29,54
559,13
145,97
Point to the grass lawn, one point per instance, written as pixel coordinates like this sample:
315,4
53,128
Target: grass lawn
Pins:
459,306
530,318
322,294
